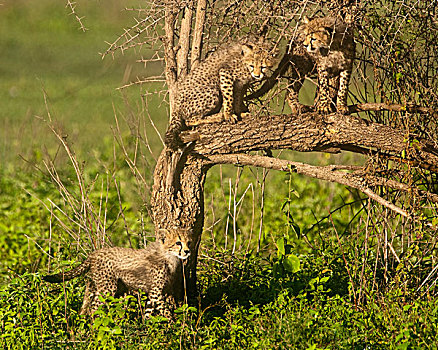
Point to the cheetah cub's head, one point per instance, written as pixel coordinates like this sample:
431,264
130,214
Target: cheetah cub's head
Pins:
317,36
176,242
259,58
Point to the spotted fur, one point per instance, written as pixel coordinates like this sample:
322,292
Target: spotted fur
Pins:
330,43
221,80
155,270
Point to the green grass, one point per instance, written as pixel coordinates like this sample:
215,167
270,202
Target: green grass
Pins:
245,305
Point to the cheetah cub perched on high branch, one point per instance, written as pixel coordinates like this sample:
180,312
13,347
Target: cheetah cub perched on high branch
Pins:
155,270
330,43
220,80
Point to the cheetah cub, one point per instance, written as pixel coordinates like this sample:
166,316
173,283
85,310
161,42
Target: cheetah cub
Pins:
155,270
329,41
220,80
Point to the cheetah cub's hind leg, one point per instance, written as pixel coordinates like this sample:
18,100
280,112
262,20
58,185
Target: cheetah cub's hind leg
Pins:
104,286
89,296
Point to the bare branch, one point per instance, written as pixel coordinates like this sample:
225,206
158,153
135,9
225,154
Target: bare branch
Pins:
198,32
72,6
328,173
182,56
391,107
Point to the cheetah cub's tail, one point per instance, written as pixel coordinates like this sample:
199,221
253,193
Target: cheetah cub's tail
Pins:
66,276
172,139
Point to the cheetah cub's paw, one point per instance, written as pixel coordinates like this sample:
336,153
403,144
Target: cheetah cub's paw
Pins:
230,117
342,109
324,109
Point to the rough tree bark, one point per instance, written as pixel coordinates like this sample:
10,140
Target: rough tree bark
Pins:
182,204
309,132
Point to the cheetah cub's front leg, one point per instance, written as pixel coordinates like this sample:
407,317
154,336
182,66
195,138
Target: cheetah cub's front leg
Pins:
341,103
239,106
227,89
324,102
157,303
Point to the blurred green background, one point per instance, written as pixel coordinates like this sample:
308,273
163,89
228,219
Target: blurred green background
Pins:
47,64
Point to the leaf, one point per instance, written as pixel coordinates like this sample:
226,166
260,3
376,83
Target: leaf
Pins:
280,247
292,263
324,279
117,330
407,307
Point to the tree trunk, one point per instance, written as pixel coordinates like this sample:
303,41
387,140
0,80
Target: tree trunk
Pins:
181,204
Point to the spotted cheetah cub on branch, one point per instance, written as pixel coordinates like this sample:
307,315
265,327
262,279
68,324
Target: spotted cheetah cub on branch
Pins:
220,80
329,41
155,270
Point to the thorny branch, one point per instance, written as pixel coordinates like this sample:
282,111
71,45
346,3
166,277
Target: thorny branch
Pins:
72,6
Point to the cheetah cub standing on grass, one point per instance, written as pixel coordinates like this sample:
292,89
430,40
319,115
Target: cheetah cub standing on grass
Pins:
329,41
220,80
155,270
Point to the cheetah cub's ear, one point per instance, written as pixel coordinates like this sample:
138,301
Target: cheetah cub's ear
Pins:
162,234
246,49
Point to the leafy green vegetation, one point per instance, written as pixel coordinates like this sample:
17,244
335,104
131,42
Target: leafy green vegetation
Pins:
246,303
312,276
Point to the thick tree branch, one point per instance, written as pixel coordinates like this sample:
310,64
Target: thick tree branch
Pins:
309,132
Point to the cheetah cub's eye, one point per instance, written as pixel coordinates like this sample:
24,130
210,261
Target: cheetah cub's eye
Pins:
179,243
264,69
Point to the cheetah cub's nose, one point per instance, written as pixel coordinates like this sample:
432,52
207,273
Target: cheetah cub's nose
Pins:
185,256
